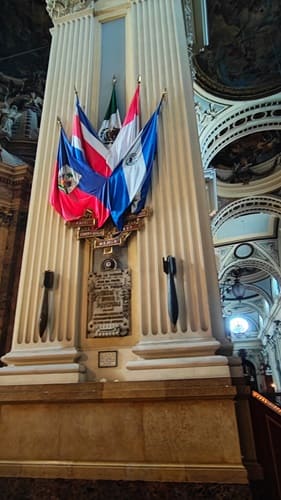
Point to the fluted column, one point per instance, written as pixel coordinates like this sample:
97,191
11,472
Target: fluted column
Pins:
49,244
180,225
156,49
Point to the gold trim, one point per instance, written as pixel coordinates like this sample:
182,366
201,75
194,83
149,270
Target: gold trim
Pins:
108,236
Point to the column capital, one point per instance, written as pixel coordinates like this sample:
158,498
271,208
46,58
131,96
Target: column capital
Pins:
60,8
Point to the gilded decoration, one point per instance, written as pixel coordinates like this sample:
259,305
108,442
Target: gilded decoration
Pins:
108,236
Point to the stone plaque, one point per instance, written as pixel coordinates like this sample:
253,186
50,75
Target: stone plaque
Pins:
109,301
107,359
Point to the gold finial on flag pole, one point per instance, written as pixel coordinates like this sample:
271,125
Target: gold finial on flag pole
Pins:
164,95
139,79
59,121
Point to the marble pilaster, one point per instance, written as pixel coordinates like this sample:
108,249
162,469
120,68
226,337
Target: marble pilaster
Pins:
156,49
180,225
49,244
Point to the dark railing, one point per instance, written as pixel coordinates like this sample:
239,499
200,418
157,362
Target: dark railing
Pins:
266,419
274,397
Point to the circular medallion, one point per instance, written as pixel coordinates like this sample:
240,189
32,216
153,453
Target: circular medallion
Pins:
243,251
109,264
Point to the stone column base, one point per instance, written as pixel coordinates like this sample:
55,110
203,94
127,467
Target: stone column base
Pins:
42,366
178,368
177,359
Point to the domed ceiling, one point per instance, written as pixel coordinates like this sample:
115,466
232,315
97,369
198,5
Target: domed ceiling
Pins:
243,58
242,63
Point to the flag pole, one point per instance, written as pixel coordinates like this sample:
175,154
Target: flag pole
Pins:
164,95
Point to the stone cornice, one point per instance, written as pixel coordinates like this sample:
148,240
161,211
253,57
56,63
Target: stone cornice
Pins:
14,175
61,8
112,391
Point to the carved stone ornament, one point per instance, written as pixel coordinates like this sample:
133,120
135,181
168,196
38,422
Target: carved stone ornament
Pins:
189,30
59,8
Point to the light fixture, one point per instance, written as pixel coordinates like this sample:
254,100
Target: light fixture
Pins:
238,325
238,289
233,286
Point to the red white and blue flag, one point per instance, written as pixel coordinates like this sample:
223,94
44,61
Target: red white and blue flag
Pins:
89,146
77,184
76,188
130,181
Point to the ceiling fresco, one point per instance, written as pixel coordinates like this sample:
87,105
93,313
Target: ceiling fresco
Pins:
243,58
253,157
25,39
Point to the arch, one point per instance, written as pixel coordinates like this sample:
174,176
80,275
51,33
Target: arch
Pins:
245,206
239,121
269,268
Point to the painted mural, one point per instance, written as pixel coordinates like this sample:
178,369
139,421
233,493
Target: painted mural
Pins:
248,159
243,58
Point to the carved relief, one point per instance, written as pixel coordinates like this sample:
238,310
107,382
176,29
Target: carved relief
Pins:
206,113
59,8
189,31
271,248
21,102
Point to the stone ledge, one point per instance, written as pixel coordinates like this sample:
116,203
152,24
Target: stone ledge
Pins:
98,391
101,471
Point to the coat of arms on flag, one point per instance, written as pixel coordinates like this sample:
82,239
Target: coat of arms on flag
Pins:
68,179
112,123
